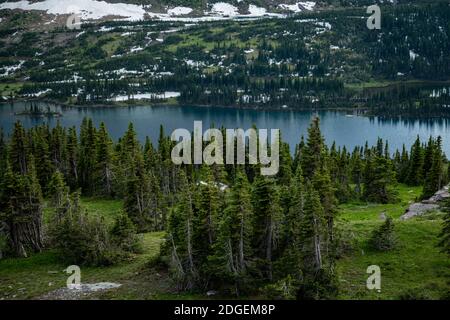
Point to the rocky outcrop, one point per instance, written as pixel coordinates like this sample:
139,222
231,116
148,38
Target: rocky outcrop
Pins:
420,208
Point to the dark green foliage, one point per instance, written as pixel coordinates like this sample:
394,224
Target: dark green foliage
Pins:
228,227
379,180
384,238
444,242
80,238
415,174
434,172
124,236
232,253
21,207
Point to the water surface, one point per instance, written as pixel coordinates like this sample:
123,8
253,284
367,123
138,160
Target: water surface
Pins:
344,129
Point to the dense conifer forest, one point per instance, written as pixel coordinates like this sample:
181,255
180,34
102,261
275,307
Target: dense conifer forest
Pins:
227,227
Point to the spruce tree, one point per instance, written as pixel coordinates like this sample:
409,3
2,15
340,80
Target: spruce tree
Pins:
206,215
104,163
444,236
180,238
434,176
379,180
21,210
72,159
87,156
19,150
232,258
290,261
266,224
415,171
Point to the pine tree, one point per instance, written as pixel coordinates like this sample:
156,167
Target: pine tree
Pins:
3,155
58,148
59,192
142,197
21,210
312,228
104,163
379,179
313,155
415,173
434,176
384,238
72,159
266,222
87,156
41,154
290,261
19,150
180,238
232,256
356,164
206,216
444,236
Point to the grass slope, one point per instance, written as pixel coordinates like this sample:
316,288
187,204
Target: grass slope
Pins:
415,268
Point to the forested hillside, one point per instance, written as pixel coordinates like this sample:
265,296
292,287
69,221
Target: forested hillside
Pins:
323,59
226,227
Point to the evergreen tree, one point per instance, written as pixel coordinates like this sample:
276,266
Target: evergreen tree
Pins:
59,192
104,163
206,216
72,159
19,150
379,179
415,174
232,256
21,210
290,261
316,279
266,222
444,236
87,156
383,238
180,238
142,199
434,176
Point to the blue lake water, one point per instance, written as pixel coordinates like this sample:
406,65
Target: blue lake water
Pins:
344,129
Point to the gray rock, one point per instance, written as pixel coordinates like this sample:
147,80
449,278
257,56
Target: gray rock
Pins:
211,293
77,293
418,209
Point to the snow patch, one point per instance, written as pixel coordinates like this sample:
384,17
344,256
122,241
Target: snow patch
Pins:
224,9
140,96
88,9
412,55
256,11
179,11
298,7
8,70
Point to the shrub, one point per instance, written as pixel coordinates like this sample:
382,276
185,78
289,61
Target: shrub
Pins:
383,238
284,289
82,239
124,236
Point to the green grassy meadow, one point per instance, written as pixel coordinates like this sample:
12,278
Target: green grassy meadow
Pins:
415,269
